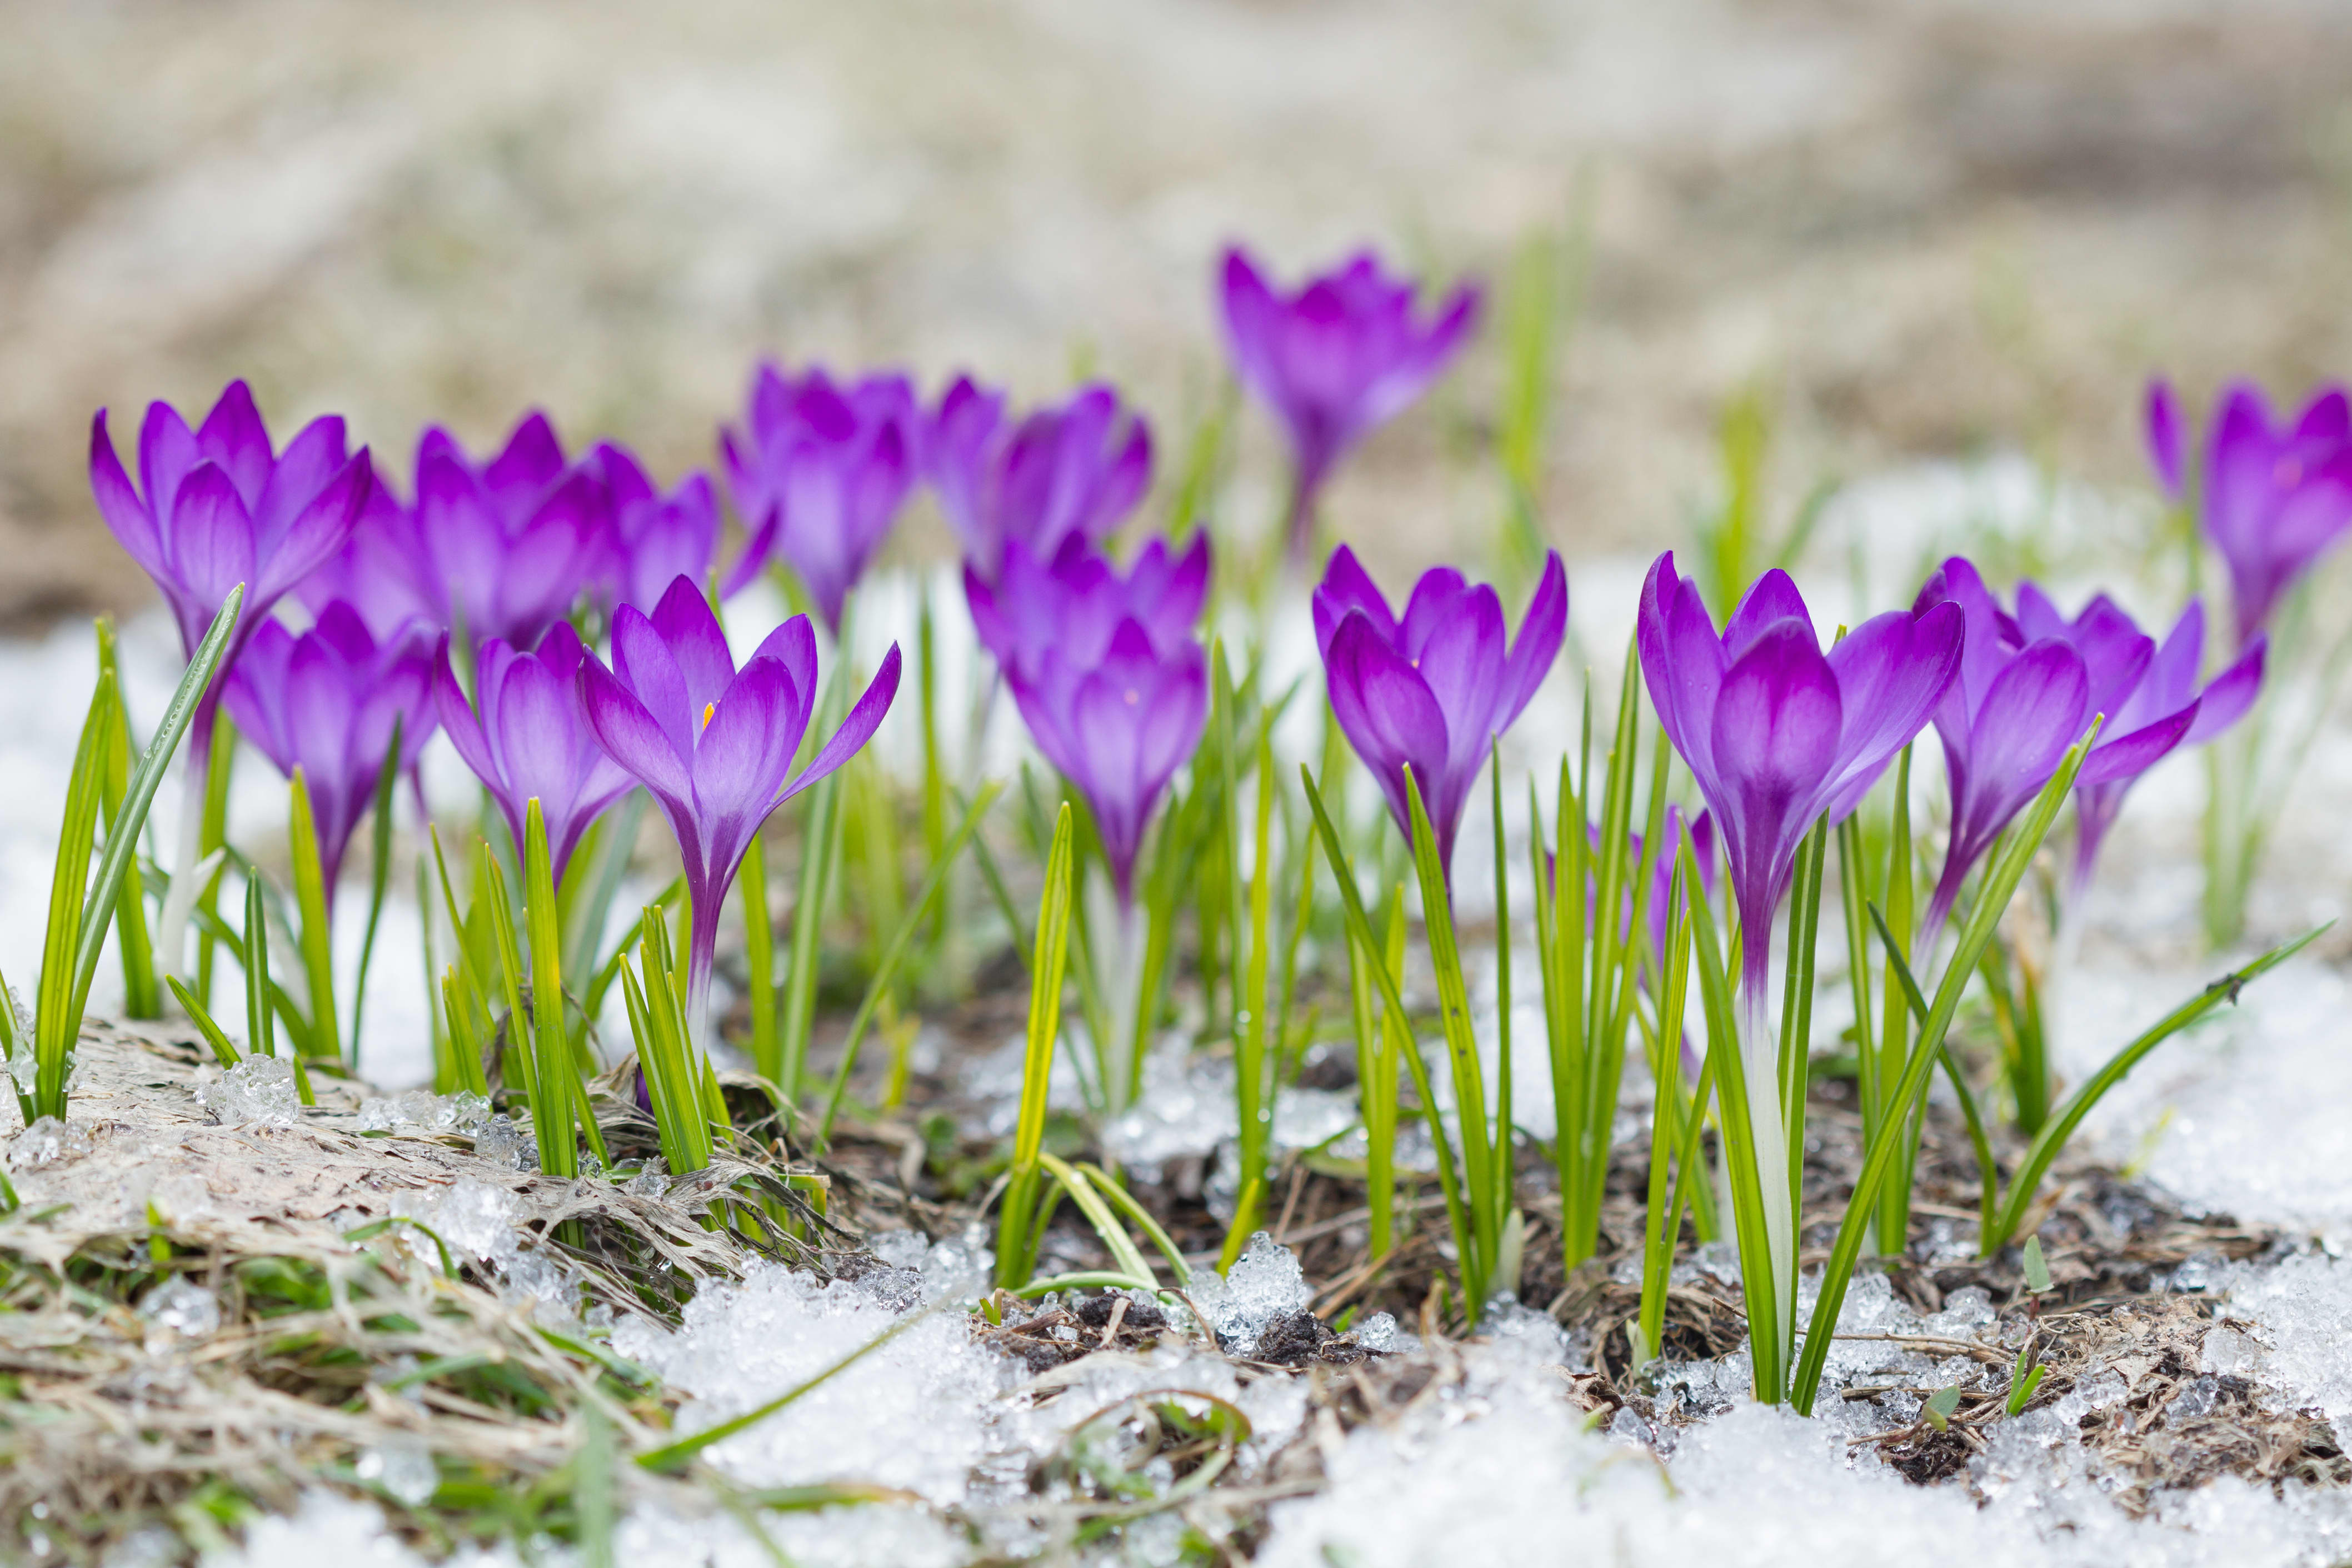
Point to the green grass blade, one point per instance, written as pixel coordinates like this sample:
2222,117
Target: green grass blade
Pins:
1047,972
1478,1153
122,843
551,1043
2008,867
223,1052
673,1457
56,1020
2053,1135
1360,930
316,940
379,877
141,997
760,959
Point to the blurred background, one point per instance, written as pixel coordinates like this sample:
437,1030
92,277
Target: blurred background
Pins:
1919,230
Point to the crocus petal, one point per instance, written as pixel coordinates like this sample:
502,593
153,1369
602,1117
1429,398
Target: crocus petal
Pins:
632,737
2163,420
864,718
1347,586
2232,693
2128,756
126,514
1541,631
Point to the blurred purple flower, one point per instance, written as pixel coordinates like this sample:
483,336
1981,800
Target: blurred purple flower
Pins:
1339,357
326,703
1072,470
1076,601
2162,417
2148,693
498,550
713,744
819,472
218,506
1118,725
2273,497
654,538
1776,733
1434,689
526,736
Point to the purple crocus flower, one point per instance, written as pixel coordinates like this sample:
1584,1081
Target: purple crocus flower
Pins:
2161,413
1433,690
1776,733
326,703
1336,359
219,506
819,472
1077,470
654,538
502,549
1118,725
2275,497
2148,693
1078,600
714,744
526,736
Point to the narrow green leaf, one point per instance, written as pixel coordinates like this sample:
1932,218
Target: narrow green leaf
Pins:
223,1052
316,940
1014,1260
379,876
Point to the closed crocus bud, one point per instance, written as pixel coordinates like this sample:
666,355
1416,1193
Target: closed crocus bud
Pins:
1342,355
1778,733
1108,674
820,470
327,701
526,735
1434,688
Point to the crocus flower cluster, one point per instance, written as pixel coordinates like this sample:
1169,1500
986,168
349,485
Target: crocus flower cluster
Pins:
2274,495
1434,689
819,472
1336,359
654,538
1779,733
327,701
715,745
1107,672
1070,471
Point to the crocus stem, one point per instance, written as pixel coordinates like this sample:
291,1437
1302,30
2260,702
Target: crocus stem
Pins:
1759,1049
701,946
179,902
1121,1078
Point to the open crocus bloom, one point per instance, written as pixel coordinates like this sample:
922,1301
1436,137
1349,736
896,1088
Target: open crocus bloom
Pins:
1335,360
1777,733
1074,471
2149,695
713,744
326,703
819,471
1434,688
526,736
219,506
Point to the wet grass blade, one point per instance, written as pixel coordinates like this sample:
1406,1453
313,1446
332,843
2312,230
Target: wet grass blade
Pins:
550,1041
223,1052
760,959
1987,1174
